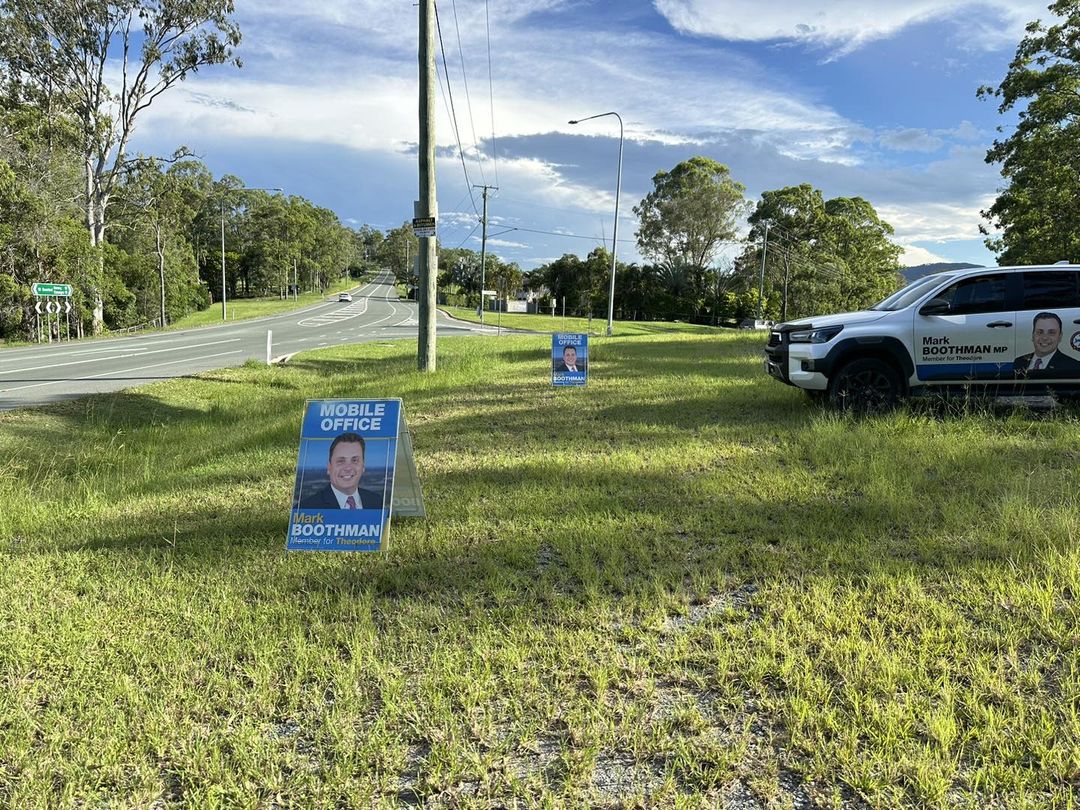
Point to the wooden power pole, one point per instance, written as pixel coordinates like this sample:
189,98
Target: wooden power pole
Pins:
428,258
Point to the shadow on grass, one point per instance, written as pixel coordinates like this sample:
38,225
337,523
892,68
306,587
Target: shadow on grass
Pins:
530,472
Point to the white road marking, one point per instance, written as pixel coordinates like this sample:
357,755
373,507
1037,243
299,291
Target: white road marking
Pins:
125,371
118,356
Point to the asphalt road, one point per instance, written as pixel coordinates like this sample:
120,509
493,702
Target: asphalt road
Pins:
37,375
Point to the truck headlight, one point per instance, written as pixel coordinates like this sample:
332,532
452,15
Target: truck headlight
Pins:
821,335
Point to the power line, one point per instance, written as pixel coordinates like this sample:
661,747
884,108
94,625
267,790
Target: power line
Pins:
468,97
453,111
491,94
467,238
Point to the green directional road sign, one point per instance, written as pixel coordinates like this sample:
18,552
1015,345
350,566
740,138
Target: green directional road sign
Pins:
61,290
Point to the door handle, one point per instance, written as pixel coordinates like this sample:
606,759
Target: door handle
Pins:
1077,320
996,324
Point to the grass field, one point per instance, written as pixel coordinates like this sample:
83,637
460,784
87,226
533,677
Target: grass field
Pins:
242,309
683,586
598,326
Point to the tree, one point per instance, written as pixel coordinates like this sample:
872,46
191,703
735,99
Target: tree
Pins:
822,256
1036,212
77,58
398,251
683,222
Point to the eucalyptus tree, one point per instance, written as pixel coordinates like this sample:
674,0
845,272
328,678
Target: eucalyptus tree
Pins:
1035,214
692,211
100,64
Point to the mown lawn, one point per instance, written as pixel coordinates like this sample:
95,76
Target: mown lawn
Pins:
242,309
683,586
596,326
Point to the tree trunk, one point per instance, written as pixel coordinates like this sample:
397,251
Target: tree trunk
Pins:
95,225
161,272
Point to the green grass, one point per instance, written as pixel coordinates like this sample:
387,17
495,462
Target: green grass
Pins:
598,326
242,309
680,584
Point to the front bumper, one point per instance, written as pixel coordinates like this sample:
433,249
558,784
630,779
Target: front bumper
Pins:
792,363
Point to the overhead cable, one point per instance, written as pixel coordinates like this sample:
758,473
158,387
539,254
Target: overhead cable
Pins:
491,94
468,96
453,112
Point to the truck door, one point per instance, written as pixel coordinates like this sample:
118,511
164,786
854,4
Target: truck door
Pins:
1048,327
973,340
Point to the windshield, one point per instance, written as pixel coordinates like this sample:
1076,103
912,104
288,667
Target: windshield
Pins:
911,293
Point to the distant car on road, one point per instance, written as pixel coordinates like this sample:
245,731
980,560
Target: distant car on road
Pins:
344,297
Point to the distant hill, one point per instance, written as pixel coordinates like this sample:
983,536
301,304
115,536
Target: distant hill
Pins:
917,271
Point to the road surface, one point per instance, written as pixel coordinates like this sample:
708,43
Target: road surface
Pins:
41,374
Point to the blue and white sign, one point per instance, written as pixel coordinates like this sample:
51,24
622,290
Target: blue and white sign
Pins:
569,358
345,475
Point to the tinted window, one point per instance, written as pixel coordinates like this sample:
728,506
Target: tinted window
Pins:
975,295
910,294
1051,289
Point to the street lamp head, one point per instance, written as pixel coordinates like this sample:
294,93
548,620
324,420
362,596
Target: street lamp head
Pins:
572,122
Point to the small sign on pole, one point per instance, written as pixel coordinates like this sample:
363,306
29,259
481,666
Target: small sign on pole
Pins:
569,359
423,227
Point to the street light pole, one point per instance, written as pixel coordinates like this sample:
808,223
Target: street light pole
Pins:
223,315
615,230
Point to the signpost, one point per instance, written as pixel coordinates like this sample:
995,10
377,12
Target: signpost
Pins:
44,289
55,290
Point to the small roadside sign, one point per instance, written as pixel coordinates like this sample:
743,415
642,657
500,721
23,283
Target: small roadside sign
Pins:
423,227
489,293
569,359
352,453
60,290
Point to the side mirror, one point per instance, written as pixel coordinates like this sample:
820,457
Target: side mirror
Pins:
935,306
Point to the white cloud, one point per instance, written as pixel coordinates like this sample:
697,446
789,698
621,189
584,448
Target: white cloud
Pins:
934,221
910,140
321,87
506,243
964,131
846,24
914,255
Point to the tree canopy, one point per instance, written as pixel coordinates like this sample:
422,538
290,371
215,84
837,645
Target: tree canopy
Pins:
822,255
1035,214
95,65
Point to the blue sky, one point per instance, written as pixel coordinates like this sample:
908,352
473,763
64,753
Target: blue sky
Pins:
857,97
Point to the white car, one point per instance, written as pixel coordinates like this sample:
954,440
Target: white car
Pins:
344,297
1000,330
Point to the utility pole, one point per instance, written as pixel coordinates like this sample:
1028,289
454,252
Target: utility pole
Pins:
761,287
429,260
483,248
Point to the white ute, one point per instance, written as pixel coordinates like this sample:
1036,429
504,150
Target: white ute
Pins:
1000,330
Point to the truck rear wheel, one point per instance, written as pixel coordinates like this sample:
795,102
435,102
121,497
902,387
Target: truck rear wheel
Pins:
868,385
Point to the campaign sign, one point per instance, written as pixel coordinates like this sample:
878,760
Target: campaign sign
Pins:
569,358
345,475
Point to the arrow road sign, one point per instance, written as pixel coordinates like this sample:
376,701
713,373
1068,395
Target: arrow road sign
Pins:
37,307
52,307
67,307
60,290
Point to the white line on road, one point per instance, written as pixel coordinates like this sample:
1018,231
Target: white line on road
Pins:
118,356
125,371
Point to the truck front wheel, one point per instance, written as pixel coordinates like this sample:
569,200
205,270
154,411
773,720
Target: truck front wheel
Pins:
868,385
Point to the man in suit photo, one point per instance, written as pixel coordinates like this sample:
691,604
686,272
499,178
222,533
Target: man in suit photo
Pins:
1046,360
570,361
345,468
